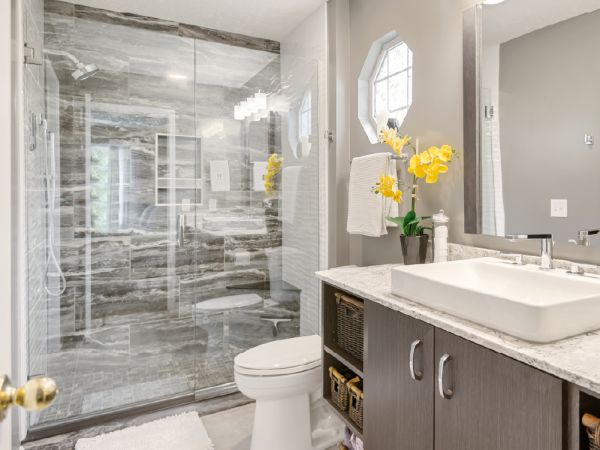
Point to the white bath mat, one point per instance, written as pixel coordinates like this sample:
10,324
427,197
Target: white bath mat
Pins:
182,432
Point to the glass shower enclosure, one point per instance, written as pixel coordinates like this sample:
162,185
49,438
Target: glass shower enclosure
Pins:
156,252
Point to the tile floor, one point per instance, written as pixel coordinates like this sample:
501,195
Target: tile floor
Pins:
242,417
229,429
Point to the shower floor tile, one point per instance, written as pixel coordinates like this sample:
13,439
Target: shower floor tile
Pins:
124,362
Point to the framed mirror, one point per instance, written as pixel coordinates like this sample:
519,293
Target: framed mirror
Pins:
532,119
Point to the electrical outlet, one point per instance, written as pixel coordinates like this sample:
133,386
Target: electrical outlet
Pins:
558,208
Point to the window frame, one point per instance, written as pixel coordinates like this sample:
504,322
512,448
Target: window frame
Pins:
302,112
383,54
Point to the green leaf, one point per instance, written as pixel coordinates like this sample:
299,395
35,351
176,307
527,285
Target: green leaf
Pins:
410,216
397,220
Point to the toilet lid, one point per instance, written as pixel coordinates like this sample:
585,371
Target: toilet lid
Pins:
281,357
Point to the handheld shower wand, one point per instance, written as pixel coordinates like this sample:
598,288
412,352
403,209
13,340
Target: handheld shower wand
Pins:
52,260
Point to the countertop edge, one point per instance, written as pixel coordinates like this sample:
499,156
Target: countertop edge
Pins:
499,342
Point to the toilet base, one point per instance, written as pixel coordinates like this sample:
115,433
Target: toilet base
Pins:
308,426
292,430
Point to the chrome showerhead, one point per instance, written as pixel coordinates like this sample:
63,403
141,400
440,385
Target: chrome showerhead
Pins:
85,71
82,71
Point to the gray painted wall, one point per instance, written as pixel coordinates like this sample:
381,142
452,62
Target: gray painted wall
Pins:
549,98
433,30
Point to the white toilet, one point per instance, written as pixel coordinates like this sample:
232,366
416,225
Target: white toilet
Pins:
284,377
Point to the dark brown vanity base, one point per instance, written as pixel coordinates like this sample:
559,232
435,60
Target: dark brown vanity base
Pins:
477,399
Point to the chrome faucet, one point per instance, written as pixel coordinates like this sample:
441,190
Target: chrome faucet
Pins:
583,237
546,251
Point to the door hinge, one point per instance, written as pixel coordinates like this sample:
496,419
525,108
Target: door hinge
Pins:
33,53
329,136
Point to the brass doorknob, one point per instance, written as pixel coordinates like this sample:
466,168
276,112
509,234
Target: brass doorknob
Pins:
37,394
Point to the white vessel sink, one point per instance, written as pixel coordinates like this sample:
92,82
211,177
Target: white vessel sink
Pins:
524,301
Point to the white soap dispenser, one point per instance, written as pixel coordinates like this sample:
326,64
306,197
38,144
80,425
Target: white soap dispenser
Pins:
440,237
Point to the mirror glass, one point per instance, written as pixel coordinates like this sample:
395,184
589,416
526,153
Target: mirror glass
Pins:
539,118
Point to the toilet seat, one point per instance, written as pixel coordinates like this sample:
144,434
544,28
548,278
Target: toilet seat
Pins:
283,357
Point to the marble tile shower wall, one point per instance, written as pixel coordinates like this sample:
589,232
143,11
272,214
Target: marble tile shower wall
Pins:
130,287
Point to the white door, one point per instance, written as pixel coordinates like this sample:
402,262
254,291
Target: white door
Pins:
5,207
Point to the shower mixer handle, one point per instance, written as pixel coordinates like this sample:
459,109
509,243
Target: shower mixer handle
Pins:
180,230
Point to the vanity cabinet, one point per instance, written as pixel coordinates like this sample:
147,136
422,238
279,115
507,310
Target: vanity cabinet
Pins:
427,389
496,403
398,401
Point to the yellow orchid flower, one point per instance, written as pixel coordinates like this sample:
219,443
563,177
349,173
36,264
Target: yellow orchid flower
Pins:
425,158
415,167
432,178
428,164
388,135
391,137
399,144
446,153
435,152
433,172
274,164
387,187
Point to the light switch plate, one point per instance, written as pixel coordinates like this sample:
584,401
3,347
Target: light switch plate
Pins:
558,208
219,176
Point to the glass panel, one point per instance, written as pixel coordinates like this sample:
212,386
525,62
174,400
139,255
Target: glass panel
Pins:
383,70
399,91
381,96
395,100
241,297
398,58
400,114
119,156
156,251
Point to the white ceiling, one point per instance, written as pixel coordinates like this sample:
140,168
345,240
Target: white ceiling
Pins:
271,19
514,18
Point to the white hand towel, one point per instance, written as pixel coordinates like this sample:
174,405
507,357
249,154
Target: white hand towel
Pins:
367,211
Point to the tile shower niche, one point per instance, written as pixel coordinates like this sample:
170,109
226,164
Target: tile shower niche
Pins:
178,170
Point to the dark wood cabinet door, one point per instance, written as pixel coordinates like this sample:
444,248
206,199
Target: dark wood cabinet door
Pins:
496,402
398,409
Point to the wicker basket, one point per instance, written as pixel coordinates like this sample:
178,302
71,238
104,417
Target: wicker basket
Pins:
355,403
339,388
592,428
350,324
593,438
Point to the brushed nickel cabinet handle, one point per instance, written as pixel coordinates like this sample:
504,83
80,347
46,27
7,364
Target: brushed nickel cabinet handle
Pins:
416,375
443,390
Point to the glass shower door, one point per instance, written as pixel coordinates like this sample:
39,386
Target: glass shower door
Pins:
120,166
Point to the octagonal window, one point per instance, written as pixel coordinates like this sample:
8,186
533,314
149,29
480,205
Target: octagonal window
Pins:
385,83
391,82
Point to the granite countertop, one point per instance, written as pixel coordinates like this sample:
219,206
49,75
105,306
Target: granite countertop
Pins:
575,359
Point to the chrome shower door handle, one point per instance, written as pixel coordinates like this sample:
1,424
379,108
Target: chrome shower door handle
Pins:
180,230
445,392
416,375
